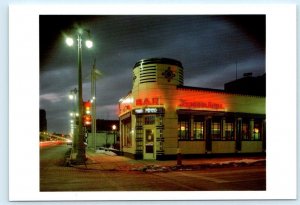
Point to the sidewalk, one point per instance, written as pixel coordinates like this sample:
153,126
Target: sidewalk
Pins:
108,161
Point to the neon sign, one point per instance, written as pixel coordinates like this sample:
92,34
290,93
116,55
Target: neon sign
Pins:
147,101
149,110
200,104
125,108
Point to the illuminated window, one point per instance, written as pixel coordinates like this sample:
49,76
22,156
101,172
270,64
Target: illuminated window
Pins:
216,131
229,131
127,133
255,134
245,131
257,130
198,130
183,128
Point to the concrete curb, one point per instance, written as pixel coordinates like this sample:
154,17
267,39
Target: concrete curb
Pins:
158,168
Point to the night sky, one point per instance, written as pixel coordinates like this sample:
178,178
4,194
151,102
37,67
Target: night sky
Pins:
210,49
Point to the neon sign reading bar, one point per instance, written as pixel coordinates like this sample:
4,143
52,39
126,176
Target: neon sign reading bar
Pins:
147,101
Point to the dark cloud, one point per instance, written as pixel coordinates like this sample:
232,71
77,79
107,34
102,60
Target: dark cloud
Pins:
210,48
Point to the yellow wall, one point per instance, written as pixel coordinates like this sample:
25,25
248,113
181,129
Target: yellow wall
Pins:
192,147
251,146
223,147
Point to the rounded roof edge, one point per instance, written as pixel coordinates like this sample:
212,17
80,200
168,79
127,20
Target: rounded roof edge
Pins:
158,61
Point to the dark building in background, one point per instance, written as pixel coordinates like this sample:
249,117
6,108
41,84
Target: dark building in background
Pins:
43,121
248,85
106,125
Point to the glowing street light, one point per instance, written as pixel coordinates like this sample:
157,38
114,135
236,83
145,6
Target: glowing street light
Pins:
71,96
69,41
114,127
89,43
80,157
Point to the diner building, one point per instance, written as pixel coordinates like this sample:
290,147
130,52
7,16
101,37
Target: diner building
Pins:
160,117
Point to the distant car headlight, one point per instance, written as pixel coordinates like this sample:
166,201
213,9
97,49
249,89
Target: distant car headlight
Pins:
69,141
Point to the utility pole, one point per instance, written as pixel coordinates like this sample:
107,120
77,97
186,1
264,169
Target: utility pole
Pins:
94,75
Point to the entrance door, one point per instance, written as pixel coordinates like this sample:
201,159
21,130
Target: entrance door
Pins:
149,149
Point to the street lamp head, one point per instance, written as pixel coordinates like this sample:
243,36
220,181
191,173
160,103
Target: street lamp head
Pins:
89,43
114,127
71,97
69,41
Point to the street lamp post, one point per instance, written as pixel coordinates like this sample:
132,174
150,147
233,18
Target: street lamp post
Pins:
80,157
114,127
94,76
74,115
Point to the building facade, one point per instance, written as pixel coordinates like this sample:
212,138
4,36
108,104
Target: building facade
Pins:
161,117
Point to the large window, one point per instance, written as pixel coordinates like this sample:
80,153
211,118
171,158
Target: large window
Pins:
257,130
229,131
127,134
245,130
183,127
216,130
198,128
251,130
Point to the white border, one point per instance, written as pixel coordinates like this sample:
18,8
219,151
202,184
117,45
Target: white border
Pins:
24,100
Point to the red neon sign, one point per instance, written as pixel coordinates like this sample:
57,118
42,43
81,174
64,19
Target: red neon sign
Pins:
200,104
147,101
124,108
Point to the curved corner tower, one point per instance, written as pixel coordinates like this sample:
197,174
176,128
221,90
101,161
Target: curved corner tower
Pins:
154,95
159,71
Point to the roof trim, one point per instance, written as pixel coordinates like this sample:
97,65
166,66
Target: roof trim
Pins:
158,61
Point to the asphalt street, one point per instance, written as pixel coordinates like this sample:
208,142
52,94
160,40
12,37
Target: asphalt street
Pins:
54,176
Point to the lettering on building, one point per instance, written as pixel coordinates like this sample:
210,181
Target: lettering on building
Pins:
149,110
200,104
124,108
147,101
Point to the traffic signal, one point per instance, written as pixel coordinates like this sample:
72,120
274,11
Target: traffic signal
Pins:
87,118
87,107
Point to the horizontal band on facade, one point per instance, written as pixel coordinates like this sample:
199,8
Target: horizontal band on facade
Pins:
148,81
168,61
